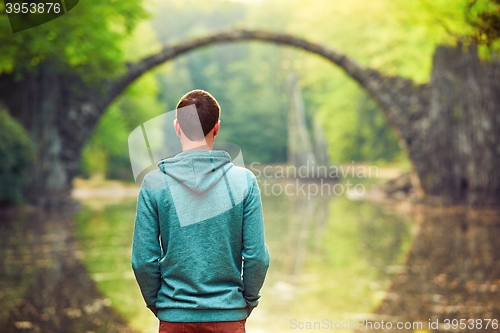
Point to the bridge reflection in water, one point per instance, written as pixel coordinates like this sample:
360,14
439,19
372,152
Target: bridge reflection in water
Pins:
452,271
332,259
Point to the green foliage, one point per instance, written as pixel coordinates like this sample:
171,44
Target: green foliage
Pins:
360,132
247,79
87,40
106,153
16,158
257,105
398,37
376,139
484,16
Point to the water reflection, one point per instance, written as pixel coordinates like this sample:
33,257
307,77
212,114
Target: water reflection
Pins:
332,259
44,286
452,272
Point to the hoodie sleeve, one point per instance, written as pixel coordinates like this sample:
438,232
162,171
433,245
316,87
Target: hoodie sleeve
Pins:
146,248
254,252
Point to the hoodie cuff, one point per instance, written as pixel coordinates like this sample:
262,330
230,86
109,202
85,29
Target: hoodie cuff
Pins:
251,305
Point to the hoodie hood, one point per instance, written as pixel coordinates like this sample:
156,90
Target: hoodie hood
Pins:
198,170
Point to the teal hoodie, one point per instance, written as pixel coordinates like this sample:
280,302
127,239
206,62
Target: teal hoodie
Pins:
198,250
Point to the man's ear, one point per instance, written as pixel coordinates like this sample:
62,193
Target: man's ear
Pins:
216,128
177,128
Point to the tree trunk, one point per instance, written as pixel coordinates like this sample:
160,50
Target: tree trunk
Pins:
300,148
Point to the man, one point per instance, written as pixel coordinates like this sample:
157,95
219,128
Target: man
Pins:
198,249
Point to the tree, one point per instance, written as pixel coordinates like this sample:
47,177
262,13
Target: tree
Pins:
106,151
72,43
16,158
50,77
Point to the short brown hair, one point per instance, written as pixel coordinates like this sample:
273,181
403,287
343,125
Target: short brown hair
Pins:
208,114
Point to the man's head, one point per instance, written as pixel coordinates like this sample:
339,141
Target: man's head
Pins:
206,114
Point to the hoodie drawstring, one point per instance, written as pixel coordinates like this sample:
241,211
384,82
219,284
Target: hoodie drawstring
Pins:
211,160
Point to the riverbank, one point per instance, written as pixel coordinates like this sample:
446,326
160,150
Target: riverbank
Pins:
98,192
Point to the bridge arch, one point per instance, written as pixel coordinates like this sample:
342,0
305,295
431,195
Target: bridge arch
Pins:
437,121
381,87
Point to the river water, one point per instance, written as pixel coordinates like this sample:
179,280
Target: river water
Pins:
336,265
331,258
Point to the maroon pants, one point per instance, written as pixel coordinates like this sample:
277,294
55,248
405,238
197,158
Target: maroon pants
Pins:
204,327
